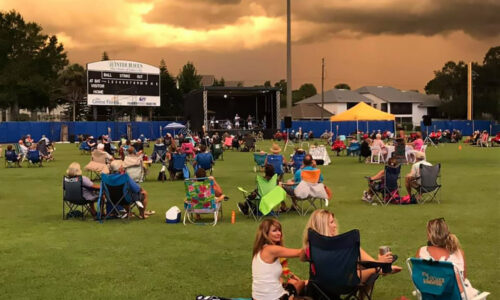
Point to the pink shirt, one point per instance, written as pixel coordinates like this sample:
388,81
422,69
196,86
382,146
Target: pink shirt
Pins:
417,144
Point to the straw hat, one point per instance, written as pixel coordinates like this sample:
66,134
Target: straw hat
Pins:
74,169
275,149
419,155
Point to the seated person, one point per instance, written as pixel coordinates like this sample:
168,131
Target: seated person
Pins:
204,159
11,155
92,142
90,191
267,271
308,164
354,147
380,144
376,181
44,151
187,148
23,149
139,146
418,142
297,159
174,167
28,140
323,222
99,161
139,195
364,149
133,159
338,146
219,196
33,155
245,206
277,160
325,135
442,245
412,179
278,136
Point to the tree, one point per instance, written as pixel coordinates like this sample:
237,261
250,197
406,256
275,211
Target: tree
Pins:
342,86
281,85
73,82
188,78
267,84
30,63
307,90
104,56
221,82
170,96
487,87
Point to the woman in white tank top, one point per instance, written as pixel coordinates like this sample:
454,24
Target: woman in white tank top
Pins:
266,267
444,246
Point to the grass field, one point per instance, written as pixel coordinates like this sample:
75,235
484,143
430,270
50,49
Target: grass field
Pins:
44,257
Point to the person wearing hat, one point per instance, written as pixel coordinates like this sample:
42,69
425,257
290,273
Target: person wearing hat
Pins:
277,160
90,190
412,179
91,142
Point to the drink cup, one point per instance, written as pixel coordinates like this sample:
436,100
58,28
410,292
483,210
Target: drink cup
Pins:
382,250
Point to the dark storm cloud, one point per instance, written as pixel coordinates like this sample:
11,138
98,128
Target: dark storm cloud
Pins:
480,19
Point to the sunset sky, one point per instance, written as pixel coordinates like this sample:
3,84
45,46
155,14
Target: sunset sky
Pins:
364,42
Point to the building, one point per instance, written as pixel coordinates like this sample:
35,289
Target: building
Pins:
309,111
337,100
408,106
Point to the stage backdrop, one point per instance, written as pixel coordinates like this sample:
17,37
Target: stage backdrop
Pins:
11,132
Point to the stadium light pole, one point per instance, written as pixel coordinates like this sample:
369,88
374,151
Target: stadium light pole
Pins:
288,61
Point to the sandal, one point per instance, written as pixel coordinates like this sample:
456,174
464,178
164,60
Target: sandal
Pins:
149,212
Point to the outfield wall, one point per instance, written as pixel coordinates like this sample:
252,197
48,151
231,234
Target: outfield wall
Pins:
11,132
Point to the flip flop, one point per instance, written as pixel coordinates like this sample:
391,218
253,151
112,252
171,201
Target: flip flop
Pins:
150,212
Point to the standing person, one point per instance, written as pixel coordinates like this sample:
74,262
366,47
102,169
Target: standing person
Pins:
249,122
268,248
412,179
236,121
442,245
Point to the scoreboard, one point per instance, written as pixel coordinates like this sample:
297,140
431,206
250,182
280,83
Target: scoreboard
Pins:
123,83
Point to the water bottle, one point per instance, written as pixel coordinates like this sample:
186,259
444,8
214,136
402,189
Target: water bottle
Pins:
233,217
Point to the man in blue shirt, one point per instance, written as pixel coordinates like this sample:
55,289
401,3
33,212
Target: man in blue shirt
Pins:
204,159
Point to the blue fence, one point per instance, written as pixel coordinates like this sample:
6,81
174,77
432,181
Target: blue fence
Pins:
11,132
344,128
466,127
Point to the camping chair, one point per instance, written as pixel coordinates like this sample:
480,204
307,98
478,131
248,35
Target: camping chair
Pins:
11,159
333,269
34,158
84,148
276,160
400,151
98,165
410,153
437,280
249,144
429,183
376,157
204,161
269,196
260,160
297,160
134,167
179,165
353,149
386,190
200,199
159,152
311,191
73,198
217,151
118,194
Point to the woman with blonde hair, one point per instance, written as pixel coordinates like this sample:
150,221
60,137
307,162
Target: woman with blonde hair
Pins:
323,222
267,270
90,191
442,245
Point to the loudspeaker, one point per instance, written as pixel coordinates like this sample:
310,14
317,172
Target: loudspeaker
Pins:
427,120
288,122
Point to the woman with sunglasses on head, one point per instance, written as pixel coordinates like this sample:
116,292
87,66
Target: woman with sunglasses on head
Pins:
267,271
444,246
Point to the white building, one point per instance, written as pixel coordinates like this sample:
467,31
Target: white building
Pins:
337,100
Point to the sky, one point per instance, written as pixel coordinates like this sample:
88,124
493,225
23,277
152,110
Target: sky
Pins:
398,43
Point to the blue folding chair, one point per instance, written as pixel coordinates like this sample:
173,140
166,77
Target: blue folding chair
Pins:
297,160
204,161
276,160
116,189
11,159
333,269
84,148
179,165
386,190
159,153
260,160
435,280
33,157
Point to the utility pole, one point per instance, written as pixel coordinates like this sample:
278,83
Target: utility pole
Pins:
322,87
469,91
288,60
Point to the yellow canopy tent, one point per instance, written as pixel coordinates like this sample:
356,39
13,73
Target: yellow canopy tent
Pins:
362,112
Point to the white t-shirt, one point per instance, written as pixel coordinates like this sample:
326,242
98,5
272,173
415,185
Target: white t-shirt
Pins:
266,279
415,169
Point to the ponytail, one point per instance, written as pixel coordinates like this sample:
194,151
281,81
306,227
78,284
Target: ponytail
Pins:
452,243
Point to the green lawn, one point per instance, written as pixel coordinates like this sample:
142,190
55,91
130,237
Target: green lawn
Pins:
43,256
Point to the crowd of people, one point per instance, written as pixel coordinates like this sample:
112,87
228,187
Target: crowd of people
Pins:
29,150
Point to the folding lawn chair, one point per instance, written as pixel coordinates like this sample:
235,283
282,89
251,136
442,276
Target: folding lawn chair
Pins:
73,198
134,167
204,161
217,151
430,185
353,149
34,158
435,280
260,160
400,151
386,190
179,165
98,165
84,148
297,160
11,159
159,153
276,160
333,269
310,192
200,199
269,196
118,194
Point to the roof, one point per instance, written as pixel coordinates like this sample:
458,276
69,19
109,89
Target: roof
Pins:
309,111
337,96
362,112
390,94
